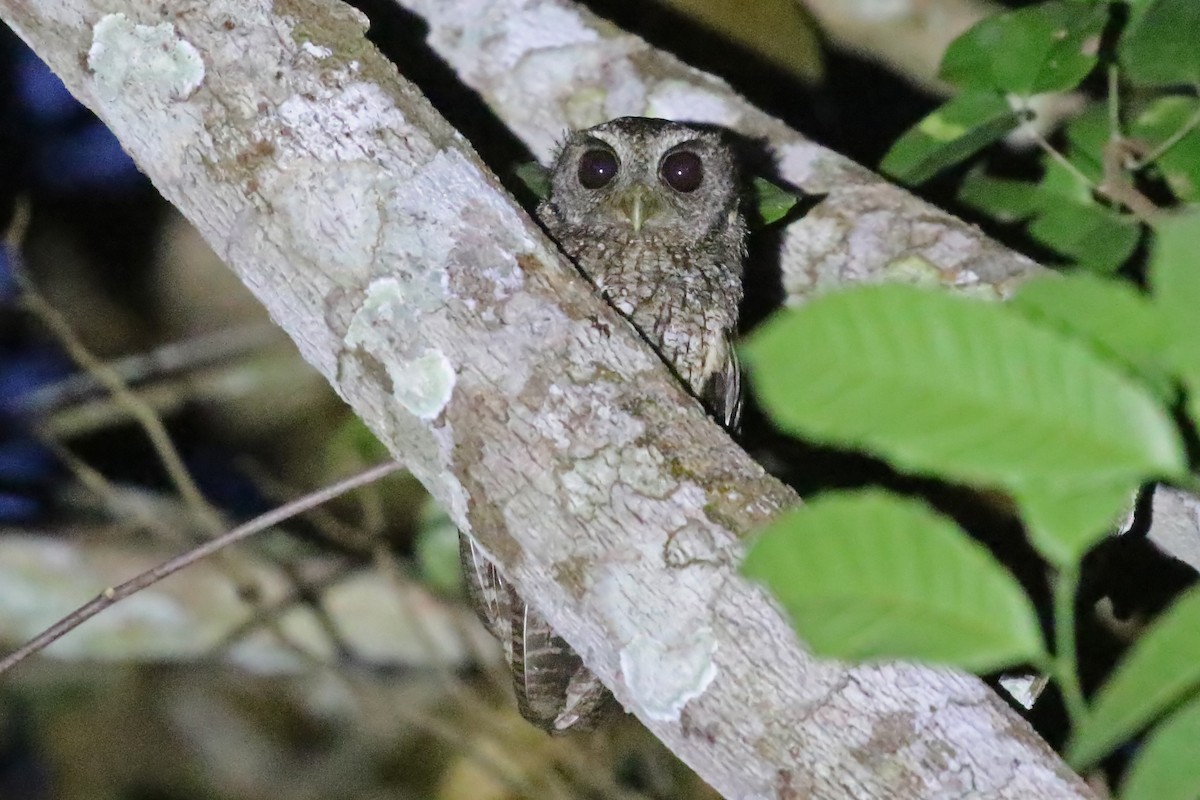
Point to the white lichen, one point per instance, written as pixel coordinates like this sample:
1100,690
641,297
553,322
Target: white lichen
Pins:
422,384
153,59
316,51
663,675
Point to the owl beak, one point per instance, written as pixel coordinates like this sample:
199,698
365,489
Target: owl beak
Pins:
638,203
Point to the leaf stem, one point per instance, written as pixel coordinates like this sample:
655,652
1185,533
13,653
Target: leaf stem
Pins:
1053,152
1114,102
1066,661
1172,140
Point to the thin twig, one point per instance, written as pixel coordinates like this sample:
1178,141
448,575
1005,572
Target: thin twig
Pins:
1062,160
1172,140
95,482
151,576
1115,187
1114,102
144,415
168,359
1066,657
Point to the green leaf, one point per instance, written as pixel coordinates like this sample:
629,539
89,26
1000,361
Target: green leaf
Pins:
1090,235
436,549
1159,47
1136,9
1174,272
1003,199
952,133
1065,519
866,575
1117,320
535,177
1162,669
1087,137
1175,280
1059,183
965,389
1165,766
1045,48
773,202
1180,165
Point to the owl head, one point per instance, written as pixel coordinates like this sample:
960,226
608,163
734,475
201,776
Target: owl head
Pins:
642,177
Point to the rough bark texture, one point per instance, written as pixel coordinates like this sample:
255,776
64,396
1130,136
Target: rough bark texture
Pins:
454,328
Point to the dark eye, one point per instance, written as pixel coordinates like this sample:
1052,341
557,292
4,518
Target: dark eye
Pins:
597,167
683,171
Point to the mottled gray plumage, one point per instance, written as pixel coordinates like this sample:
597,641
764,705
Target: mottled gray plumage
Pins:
650,211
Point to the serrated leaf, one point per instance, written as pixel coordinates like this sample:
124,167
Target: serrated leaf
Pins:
1045,48
1088,234
866,575
1165,766
1163,119
1003,199
1162,669
1116,319
961,388
535,177
773,202
1159,47
951,134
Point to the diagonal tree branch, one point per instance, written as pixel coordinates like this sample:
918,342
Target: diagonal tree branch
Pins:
449,322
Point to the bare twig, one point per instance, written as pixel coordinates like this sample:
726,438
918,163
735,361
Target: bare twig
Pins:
144,415
117,593
168,359
1172,140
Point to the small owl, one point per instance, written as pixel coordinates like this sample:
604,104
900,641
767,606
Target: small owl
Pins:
650,211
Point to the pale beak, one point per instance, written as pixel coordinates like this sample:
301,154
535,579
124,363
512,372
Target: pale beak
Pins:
637,204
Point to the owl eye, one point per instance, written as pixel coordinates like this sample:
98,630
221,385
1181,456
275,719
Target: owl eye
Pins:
683,171
597,168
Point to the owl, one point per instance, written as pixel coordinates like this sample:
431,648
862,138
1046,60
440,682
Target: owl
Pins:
651,212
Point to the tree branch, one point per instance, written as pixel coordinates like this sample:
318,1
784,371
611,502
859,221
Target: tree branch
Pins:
454,328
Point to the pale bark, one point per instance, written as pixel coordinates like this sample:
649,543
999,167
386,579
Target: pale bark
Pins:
549,430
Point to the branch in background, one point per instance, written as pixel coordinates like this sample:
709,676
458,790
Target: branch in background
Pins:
189,617
527,406
907,37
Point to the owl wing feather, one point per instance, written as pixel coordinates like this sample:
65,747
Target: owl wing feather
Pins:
554,691
721,392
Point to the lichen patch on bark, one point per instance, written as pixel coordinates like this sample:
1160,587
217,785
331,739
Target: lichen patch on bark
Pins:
150,59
